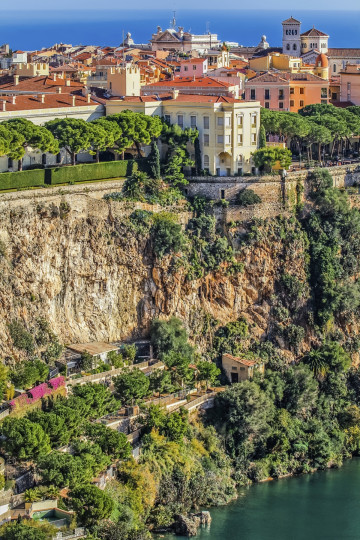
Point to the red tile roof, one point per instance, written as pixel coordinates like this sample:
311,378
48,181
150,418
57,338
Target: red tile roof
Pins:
344,53
51,101
184,98
194,82
38,84
244,361
314,33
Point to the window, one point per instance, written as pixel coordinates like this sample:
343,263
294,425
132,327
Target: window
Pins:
10,162
206,162
292,90
334,68
194,68
222,194
281,104
252,93
43,159
220,139
324,92
288,47
240,120
324,101
302,90
253,120
180,120
253,138
267,105
291,102
206,139
294,47
58,158
185,68
227,139
281,93
240,158
227,121
301,103
167,118
206,122
220,121
240,139
267,93
334,96
193,122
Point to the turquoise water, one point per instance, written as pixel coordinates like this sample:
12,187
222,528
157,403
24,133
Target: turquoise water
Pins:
321,506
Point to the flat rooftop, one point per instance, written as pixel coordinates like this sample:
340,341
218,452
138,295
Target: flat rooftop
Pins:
95,348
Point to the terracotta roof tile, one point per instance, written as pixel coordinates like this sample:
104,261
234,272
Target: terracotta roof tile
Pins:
313,32
51,101
244,361
197,82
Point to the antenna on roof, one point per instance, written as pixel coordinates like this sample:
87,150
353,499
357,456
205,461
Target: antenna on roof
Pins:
207,27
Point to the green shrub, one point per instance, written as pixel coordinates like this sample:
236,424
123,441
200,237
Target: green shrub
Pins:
247,197
22,179
89,171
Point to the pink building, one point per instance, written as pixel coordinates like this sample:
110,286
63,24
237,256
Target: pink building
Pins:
193,67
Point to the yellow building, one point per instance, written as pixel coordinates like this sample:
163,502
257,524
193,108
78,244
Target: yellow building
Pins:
124,81
228,127
290,64
33,69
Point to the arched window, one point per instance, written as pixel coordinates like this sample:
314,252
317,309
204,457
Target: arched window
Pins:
206,162
288,47
240,158
334,68
294,47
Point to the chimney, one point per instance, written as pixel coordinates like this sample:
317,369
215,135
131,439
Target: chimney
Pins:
13,101
42,98
89,98
73,101
16,80
175,93
4,106
67,82
54,77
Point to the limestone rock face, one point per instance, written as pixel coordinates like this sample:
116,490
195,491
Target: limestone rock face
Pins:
71,259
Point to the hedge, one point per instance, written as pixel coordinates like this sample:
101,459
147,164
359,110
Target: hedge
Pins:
88,172
22,179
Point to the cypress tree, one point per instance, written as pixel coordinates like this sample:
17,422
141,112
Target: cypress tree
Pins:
262,137
154,161
198,164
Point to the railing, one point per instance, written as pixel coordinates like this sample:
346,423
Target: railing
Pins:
80,532
105,374
167,399
198,401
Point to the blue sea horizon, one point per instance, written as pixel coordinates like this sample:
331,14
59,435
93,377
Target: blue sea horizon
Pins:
37,29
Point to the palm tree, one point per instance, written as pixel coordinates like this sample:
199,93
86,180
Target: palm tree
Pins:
33,495
315,360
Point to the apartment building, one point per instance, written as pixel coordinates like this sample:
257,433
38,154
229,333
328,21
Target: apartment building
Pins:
350,84
287,91
228,127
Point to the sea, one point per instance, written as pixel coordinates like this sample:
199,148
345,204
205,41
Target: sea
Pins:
33,30
319,506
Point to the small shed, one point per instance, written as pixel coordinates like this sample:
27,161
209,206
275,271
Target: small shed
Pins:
238,368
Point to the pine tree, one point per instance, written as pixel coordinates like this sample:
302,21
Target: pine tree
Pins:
154,161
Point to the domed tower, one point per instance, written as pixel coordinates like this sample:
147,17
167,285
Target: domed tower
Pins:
291,37
322,66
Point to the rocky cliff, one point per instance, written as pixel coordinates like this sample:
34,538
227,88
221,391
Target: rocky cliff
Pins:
69,256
